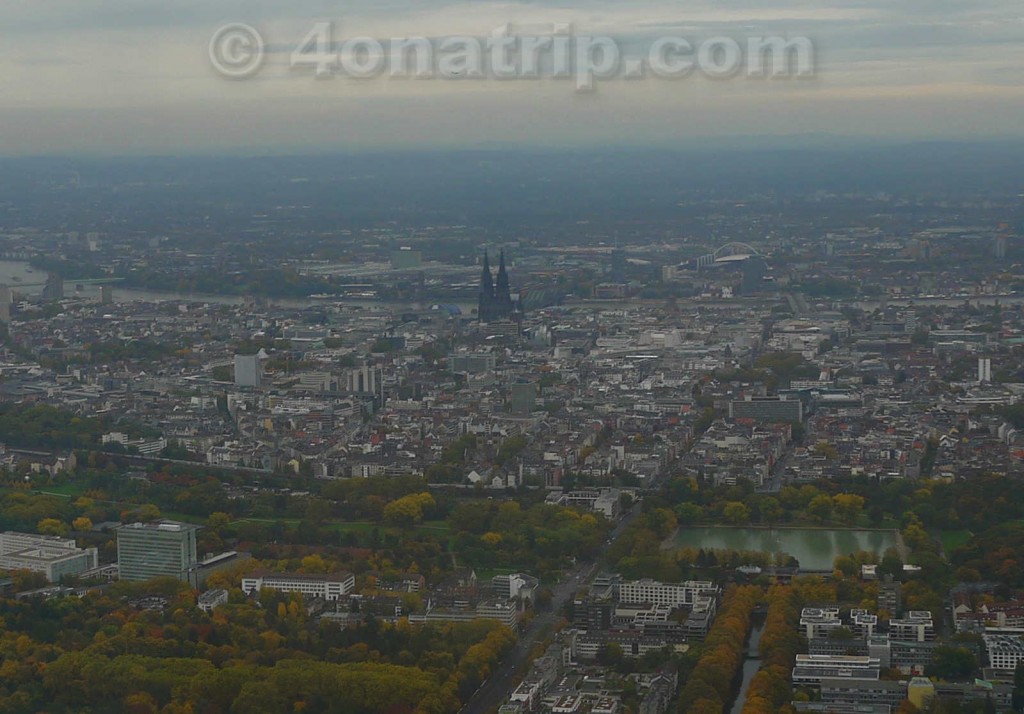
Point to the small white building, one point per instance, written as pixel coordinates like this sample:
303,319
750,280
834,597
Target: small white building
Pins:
326,587
212,599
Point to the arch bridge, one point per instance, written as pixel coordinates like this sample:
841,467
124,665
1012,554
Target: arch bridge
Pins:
734,252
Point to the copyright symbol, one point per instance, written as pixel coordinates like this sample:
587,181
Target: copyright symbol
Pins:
236,51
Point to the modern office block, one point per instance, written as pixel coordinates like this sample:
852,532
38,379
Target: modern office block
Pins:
52,556
767,409
161,549
248,370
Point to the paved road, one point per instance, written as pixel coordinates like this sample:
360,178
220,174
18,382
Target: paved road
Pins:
495,691
779,477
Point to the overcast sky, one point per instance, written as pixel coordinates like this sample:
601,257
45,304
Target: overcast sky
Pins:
134,76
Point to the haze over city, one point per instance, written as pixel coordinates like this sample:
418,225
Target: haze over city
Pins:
125,77
577,357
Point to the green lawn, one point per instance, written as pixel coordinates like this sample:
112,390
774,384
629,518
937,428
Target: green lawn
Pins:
286,521
66,489
182,517
484,574
435,526
363,527
951,540
353,527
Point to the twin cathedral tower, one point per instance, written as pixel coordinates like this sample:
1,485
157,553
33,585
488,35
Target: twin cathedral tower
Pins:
495,300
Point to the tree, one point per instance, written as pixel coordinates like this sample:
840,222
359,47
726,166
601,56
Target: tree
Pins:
217,521
52,526
736,513
314,564
828,451
688,513
147,513
891,563
610,655
82,523
408,510
820,507
771,510
848,506
845,566
952,663
721,658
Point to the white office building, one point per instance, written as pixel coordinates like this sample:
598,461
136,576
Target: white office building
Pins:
674,595
811,669
984,369
52,556
1005,651
917,626
819,621
325,587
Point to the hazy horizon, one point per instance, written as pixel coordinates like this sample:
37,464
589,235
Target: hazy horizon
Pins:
121,77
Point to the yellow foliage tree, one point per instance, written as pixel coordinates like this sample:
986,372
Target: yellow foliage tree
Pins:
82,523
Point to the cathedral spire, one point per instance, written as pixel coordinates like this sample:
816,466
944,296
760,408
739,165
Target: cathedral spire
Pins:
503,294
486,282
495,296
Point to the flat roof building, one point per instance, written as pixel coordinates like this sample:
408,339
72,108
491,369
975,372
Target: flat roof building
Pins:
1005,651
211,599
52,556
160,549
671,594
326,587
818,622
917,626
768,410
812,669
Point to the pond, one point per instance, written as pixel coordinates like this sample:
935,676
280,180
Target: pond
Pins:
815,548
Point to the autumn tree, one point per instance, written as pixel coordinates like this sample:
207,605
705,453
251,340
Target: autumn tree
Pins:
952,664
820,507
710,683
770,510
771,688
408,511
52,526
847,507
736,513
82,523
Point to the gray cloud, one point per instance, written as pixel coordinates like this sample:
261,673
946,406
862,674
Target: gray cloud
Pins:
132,75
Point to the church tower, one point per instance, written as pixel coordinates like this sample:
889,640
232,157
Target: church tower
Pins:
495,298
502,291
485,300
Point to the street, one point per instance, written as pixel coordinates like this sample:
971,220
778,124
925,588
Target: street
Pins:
496,689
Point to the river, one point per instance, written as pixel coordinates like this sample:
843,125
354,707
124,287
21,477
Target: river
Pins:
18,274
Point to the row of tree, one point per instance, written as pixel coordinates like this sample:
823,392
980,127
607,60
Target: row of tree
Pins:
711,684
771,688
